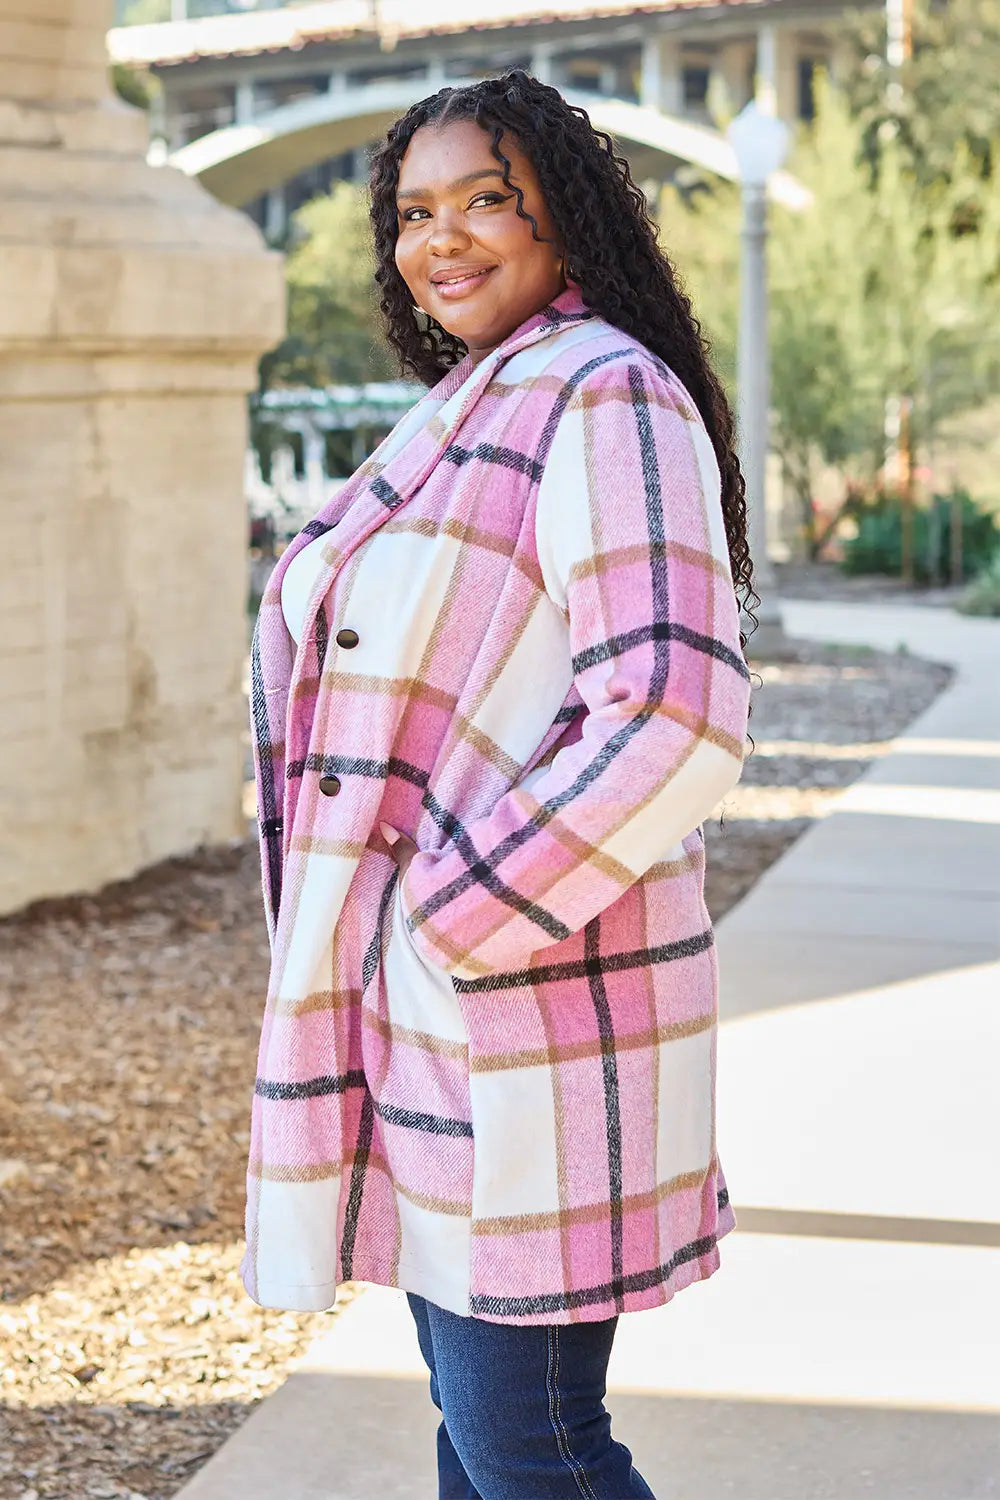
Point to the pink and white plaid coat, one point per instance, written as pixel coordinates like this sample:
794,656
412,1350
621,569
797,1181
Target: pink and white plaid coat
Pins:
493,1083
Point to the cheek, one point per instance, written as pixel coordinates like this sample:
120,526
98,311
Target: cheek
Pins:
534,256
406,263
536,263
519,244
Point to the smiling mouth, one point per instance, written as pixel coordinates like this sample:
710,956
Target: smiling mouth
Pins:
459,283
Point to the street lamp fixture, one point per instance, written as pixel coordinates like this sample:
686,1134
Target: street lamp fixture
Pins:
760,144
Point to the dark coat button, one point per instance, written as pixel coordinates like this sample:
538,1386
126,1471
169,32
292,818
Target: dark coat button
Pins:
347,638
329,785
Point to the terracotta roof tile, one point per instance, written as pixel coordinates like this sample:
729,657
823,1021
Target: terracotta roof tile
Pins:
337,20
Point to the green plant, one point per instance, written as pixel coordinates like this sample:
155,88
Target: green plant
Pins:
982,597
877,546
334,329
132,86
885,287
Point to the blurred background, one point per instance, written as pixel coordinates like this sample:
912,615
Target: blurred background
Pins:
190,364
885,341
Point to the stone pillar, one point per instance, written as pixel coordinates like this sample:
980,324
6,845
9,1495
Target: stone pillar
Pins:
133,309
661,82
777,69
732,75
840,59
541,64
314,463
245,108
275,214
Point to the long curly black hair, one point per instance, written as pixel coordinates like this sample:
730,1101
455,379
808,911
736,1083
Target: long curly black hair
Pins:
612,253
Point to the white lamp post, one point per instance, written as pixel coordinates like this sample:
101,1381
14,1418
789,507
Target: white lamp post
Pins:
760,142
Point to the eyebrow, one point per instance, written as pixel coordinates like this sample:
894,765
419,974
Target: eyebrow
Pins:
459,182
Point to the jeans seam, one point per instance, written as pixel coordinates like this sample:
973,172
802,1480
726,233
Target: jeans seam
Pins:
555,1416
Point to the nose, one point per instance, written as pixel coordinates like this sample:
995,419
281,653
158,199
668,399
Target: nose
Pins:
449,235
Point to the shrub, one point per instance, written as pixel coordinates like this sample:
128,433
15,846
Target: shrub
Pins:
877,547
982,597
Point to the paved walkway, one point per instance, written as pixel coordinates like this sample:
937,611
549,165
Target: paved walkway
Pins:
850,1348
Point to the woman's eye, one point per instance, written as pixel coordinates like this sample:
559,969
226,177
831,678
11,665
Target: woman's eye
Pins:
481,200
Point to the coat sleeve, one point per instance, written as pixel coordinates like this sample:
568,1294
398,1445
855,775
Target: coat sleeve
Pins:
633,550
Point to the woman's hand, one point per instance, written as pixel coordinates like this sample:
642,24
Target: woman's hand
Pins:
401,846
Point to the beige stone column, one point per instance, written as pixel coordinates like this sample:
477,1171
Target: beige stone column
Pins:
661,85
733,66
777,81
133,308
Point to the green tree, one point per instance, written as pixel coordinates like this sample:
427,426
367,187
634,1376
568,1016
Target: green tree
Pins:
143,12
334,332
827,388
816,288
949,91
134,87
700,231
935,252
149,12
886,287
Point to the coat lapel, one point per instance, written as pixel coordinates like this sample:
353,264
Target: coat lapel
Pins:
388,480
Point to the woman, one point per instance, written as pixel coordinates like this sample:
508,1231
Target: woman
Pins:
498,684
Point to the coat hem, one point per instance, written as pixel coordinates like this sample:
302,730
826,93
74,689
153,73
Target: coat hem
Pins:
658,1294
294,1297
319,1297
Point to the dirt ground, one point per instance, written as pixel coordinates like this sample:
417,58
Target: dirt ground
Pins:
128,1350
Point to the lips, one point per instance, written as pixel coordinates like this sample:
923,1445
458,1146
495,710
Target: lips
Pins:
460,281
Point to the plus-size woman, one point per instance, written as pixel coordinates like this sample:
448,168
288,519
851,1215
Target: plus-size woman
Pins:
498,684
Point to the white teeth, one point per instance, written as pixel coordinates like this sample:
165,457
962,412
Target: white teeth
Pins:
465,276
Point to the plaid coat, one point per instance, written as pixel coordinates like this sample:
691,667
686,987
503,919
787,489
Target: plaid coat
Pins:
493,1082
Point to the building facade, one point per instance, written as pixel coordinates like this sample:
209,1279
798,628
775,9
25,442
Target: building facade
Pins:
305,84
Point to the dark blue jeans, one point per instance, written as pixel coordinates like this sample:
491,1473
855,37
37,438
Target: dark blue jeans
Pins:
523,1409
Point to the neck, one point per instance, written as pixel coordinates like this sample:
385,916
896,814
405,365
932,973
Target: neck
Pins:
477,355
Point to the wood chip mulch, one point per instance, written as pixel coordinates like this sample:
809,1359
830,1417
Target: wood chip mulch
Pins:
130,1018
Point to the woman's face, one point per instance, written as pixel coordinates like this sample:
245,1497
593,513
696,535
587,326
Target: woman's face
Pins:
467,256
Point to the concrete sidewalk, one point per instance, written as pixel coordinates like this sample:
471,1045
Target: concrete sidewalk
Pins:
850,1347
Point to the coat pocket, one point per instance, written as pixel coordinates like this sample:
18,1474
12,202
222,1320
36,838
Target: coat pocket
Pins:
421,1098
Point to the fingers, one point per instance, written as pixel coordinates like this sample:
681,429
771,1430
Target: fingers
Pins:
401,846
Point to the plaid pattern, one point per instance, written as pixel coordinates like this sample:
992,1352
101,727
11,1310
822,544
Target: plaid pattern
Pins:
493,1082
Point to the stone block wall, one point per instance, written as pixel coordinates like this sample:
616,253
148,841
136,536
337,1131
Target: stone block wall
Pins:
132,311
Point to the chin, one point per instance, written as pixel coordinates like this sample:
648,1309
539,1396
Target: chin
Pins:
470,326
472,337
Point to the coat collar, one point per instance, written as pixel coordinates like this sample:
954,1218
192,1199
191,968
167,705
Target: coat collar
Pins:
568,307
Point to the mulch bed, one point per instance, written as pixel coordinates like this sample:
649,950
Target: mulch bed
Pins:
128,1350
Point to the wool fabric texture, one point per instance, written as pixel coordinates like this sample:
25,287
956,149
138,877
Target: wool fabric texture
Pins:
493,1082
